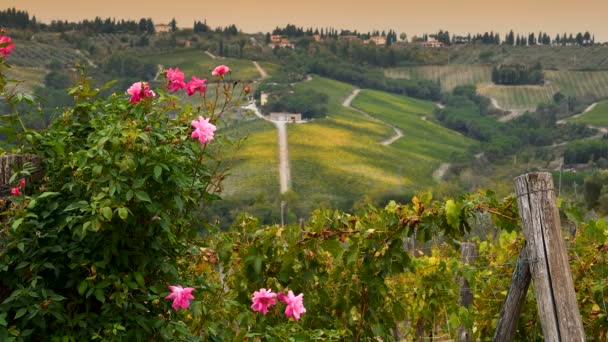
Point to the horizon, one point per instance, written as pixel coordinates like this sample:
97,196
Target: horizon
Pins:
410,17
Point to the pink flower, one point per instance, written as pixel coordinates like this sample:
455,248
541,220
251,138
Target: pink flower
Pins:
15,191
176,79
262,300
5,50
181,296
295,306
247,89
203,130
220,70
139,90
196,84
22,183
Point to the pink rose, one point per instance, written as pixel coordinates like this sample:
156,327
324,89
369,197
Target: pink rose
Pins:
139,90
262,300
15,191
181,297
295,305
203,130
5,50
220,70
22,183
196,84
175,77
247,89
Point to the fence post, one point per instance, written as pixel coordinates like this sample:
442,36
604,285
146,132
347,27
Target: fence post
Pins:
509,313
553,285
468,253
283,213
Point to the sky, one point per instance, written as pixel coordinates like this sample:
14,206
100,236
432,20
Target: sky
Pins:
413,17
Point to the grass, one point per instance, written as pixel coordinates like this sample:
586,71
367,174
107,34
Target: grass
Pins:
196,62
598,116
582,84
339,160
254,169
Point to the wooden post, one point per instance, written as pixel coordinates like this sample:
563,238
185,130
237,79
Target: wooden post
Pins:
511,308
468,253
283,213
553,285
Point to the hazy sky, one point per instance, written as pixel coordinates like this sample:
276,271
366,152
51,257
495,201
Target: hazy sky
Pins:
410,16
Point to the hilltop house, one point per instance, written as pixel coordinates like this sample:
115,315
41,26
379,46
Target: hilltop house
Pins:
433,43
162,28
377,40
280,41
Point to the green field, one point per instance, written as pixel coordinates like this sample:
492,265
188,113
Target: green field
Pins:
196,62
598,116
582,84
255,166
338,160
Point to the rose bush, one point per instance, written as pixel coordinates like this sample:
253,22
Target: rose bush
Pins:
91,250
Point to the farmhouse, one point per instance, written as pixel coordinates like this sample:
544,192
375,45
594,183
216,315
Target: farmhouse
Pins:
378,40
282,42
162,28
293,117
433,43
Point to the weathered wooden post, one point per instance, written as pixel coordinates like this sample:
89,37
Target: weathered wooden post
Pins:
553,285
283,213
468,253
511,308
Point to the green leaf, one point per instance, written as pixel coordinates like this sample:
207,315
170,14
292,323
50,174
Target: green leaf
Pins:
17,223
21,246
82,287
129,195
123,213
139,279
452,213
157,172
107,213
334,247
142,196
21,312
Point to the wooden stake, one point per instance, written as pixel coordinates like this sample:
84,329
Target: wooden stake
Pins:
511,308
468,253
553,285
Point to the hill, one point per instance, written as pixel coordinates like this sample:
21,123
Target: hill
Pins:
596,116
587,85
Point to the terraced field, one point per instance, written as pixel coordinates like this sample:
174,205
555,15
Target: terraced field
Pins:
579,83
598,116
448,75
39,55
29,77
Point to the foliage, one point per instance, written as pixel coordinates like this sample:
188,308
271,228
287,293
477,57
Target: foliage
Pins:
90,249
517,74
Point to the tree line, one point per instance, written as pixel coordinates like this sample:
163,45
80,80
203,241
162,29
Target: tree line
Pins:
515,74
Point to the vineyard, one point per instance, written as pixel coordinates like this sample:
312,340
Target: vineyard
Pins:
582,84
39,55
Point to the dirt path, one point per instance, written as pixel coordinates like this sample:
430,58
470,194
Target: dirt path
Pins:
440,172
210,55
284,168
160,69
514,113
347,103
263,73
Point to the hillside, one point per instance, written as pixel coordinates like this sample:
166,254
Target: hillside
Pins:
596,116
586,85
